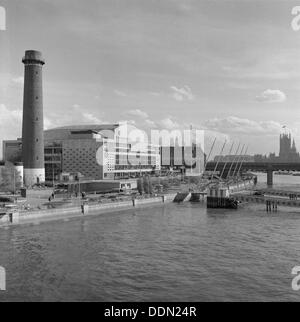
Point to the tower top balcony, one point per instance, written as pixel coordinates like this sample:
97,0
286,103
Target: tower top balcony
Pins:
33,57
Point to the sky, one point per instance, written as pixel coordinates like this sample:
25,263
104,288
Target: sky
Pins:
231,68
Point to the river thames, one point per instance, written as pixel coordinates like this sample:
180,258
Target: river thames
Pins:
172,253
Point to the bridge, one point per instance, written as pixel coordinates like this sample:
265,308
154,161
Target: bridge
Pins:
268,167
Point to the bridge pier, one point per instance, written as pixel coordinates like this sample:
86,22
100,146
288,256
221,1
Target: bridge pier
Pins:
270,177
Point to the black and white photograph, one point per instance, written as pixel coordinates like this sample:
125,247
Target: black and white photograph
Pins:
149,154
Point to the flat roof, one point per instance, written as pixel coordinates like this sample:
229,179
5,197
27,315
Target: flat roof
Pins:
86,127
63,133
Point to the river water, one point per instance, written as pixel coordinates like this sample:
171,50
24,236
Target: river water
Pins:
172,253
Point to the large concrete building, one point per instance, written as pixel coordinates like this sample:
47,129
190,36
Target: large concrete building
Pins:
33,122
101,152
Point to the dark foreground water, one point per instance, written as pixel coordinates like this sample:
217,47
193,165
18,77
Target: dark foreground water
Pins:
176,253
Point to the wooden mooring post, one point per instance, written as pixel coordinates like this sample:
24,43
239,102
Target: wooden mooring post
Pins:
271,206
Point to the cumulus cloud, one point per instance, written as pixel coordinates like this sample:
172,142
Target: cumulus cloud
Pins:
90,118
140,119
81,115
271,96
169,124
181,94
77,115
235,125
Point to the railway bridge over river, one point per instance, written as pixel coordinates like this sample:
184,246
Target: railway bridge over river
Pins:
268,167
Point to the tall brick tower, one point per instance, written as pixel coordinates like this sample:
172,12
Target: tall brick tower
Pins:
33,121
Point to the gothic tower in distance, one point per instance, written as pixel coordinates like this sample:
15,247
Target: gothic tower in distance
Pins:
33,120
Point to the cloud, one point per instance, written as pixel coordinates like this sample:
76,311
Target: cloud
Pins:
239,126
151,123
271,96
77,115
2,19
137,113
120,93
141,119
156,94
169,124
18,80
181,94
89,117
9,117
48,124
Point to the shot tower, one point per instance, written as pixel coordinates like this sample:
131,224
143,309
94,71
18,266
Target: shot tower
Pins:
33,121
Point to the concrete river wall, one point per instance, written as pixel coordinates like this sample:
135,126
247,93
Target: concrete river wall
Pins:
27,217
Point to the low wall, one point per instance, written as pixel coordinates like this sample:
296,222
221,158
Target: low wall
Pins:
73,212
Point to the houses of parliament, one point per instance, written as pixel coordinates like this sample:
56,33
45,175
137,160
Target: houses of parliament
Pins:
288,151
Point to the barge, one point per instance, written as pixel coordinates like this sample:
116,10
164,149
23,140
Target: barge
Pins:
219,197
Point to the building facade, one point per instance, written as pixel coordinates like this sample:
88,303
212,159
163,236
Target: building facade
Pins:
92,152
189,160
107,155
12,150
288,151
